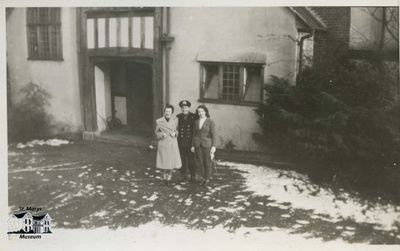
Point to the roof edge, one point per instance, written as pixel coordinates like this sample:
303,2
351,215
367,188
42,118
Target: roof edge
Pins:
316,18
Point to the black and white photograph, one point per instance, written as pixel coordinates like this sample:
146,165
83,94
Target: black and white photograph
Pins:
202,126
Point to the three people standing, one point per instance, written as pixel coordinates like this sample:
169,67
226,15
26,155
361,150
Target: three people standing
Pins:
189,141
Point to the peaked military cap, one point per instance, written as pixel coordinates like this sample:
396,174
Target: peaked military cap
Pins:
185,102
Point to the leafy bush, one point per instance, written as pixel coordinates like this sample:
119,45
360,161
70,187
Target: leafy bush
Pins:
345,121
28,119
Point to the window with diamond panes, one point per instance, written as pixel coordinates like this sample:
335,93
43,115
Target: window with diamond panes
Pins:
44,33
231,83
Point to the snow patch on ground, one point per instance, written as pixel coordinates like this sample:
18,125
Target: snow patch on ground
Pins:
153,197
226,209
11,153
49,142
100,214
179,187
188,202
289,186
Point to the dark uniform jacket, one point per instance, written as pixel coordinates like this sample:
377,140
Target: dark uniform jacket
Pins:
185,129
206,135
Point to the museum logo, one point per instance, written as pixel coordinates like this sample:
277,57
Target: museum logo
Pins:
28,225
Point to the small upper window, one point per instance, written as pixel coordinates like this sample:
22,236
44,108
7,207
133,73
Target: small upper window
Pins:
44,33
231,82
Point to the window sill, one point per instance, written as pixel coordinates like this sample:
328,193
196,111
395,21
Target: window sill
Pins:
227,102
46,59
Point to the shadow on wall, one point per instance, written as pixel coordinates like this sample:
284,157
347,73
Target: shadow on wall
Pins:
28,119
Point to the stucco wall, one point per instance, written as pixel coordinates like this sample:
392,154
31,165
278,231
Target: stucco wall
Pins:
267,31
59,78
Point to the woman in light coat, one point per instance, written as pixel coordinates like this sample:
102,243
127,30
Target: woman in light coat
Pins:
166,132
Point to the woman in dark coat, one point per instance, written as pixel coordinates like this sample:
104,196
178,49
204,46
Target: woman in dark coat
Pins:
204,141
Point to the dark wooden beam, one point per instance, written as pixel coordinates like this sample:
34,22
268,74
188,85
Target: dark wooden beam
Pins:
107,32
118,32
96,33
115,60
130,32
86,75
142,32
82,60
121,52
158,95
109,12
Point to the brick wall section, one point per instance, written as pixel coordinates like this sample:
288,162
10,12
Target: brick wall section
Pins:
333,42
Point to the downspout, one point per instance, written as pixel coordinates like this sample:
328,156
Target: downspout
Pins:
300,43
167,48
166,40
163,56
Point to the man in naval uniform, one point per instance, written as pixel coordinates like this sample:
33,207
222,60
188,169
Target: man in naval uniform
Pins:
186,121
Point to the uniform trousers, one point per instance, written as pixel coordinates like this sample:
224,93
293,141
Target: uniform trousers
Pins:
203,160
187,158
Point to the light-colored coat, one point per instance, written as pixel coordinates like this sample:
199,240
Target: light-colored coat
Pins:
168,156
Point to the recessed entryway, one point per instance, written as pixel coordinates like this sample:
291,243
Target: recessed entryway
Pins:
124,97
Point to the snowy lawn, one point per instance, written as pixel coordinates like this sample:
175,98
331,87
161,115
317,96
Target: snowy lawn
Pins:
49,142
289,186
113,194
